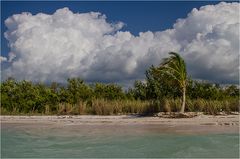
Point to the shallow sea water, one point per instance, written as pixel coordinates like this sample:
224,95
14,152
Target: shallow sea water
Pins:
111,142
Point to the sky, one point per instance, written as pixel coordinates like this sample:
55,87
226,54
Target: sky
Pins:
157,16
117,41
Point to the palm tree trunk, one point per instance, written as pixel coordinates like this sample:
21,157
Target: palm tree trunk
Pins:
183,100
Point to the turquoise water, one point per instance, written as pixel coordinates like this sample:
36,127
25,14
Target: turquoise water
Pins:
61,143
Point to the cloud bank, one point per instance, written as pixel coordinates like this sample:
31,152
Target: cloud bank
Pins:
66,44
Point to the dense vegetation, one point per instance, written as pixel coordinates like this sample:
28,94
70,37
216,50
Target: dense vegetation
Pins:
77,97
157,93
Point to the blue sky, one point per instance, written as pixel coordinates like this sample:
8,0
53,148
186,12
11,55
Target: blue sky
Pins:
138,16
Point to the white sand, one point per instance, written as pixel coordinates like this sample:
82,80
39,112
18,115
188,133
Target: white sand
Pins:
199,124
224,120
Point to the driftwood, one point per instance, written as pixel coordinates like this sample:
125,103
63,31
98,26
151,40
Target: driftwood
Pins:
178,115
189,114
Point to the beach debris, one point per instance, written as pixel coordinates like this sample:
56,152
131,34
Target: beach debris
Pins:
178,115
234,113
222,113
63,117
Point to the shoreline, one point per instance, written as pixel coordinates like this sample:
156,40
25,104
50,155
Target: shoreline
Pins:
202,124
221,120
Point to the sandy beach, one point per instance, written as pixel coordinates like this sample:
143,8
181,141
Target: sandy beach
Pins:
198,124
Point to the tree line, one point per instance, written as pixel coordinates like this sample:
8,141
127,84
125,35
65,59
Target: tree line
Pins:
166,88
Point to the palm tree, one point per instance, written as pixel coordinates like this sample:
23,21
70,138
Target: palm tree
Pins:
175,68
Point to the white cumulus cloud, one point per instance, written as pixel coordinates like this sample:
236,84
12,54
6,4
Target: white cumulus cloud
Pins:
2,59
66,44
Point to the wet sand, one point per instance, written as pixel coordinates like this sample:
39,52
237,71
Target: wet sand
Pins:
127,124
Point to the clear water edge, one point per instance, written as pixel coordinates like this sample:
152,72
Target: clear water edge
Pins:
53,143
